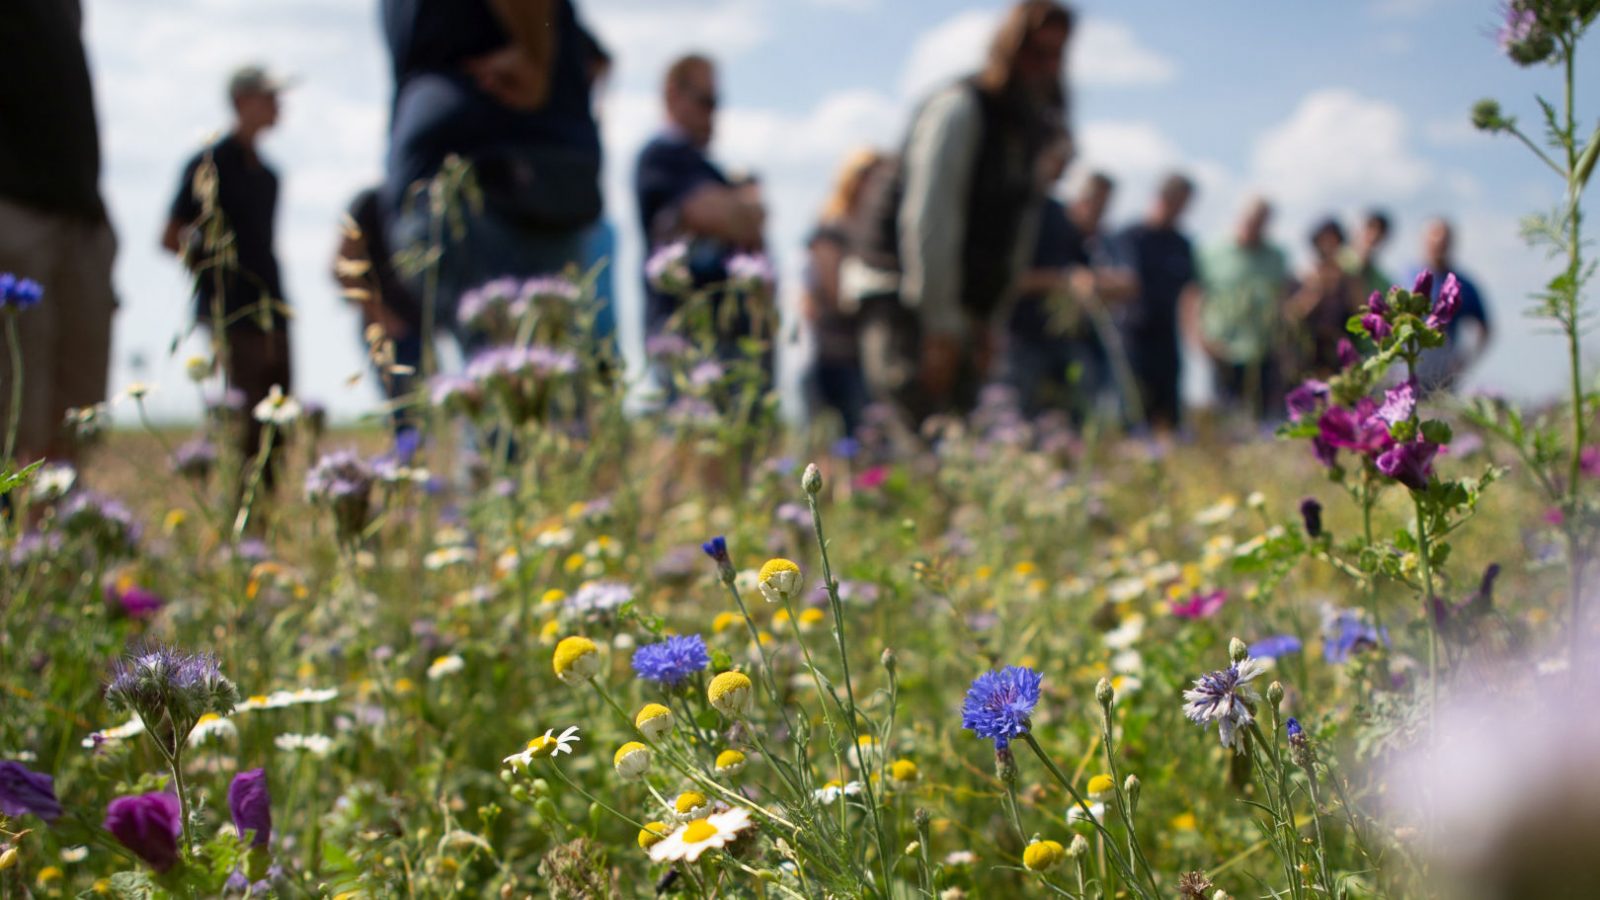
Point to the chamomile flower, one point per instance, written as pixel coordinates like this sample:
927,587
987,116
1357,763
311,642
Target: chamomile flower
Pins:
1101,788
632,760
653,721
731,762
696,836
830,793
904,773
544,746
277,408
1041,856
444,666
652,834
865,752
1075,813
576,660
211,726
131,728
318,745
690,805
731,693
779,580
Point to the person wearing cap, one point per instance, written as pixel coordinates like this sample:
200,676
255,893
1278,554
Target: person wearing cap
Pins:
53,225
227,199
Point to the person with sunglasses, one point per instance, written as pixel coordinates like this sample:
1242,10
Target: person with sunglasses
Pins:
687,199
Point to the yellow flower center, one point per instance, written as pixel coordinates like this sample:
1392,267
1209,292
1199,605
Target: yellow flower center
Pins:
1101,784
571,650
542,746
689,800
727,759
651,834
774,566
699,831
1042,855
903,770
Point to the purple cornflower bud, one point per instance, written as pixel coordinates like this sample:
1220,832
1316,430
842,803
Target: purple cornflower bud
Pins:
149,825
251,806
1306,398
1311,515
1376,304
24,791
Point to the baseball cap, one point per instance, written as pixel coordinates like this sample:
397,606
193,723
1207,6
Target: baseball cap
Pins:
255,79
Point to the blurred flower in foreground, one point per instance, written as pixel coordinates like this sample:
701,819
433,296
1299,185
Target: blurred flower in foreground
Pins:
149,825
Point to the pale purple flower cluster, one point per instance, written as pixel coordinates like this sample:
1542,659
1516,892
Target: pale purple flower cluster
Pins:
535,361
194,459
751,272
598,597
667,269
104,519
342,481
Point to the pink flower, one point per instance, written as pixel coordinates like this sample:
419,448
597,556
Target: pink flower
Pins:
872,478
1200,606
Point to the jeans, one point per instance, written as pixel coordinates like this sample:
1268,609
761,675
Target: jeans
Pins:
491,246
841,387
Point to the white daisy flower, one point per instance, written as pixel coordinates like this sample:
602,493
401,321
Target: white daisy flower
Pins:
1125,635
696,837
1075,813
446,665
318,745
54,480
211,726
1218,512
277,408
831,792
131,728
74,854
545,745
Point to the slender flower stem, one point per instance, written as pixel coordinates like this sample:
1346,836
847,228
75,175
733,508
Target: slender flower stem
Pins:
14,413
1122,864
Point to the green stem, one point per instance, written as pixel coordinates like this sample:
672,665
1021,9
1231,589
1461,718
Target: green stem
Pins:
14,414
1122,864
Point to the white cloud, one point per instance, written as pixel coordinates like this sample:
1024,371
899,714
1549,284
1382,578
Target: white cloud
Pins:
949,50
1337,148
644,36
1103,53
1108,54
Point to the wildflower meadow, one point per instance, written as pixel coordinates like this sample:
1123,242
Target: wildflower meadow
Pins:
548,648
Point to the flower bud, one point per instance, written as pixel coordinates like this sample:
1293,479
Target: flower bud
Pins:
1104,693
8,858
811,481
921,817
1275,693
1005,767
1237,651
889,660
913,848
1130,786
1311,515
1078,848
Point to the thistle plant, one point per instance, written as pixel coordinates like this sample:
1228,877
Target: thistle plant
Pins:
1537,33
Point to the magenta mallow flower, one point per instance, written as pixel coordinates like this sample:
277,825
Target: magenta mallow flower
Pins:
251,806
133,600
1202,605
1306,398
1410,463
1589,461
1357,429
1399,402
1449,303
24,791
149,825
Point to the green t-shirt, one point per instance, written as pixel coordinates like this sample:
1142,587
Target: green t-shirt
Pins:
1372,277
1244,291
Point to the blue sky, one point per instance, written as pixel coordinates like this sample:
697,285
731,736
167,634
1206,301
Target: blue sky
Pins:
1327,108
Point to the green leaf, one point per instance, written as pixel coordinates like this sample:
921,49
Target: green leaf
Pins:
1436,431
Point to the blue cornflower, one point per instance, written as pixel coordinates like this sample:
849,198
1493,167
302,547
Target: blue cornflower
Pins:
1295,731
1275,646
1345,632
999,703
717,549
19,292
1225,697
672,661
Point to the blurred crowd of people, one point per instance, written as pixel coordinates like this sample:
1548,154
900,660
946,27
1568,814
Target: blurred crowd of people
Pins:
933,270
